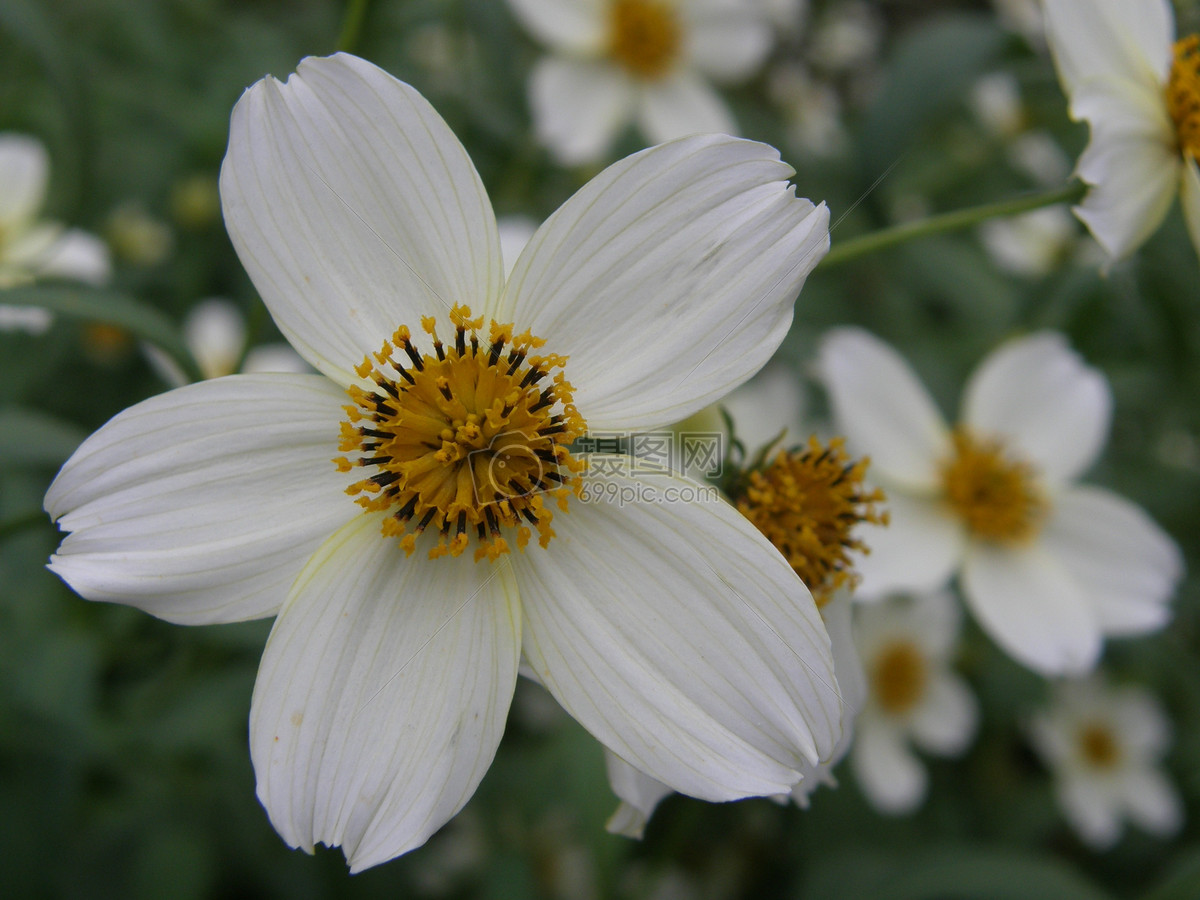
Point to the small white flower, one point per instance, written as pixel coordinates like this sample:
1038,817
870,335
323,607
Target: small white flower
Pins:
912,695
615,61
1103,745
31,248
672,631
1033,243
1048,566
1139,90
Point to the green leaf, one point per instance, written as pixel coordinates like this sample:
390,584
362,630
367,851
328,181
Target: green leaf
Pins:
28,437
111,308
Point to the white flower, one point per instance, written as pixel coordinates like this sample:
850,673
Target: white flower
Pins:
1048,566
1103,745
31,248
614,61
671,630
912,695
639,794
215,333
1139,90
1030,244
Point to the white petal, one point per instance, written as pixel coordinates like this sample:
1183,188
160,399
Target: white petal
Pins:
1090,810
727,41
1141,722
640,795
24,170
891,778
1127,566
354,209
1032,608
1152,801
934,619
274,358
1190,196
200,505
770,402
1112,39
680,638
1044,401
669,278
1131,163
215,332
918,551
49,251
30,319
947,718
847,666
883,409
681,104
579,107
382,694
515,232
572,26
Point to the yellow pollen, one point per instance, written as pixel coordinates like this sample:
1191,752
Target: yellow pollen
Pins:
1098,746
469,440
644,36
997,497
807,502
899,677
1183,95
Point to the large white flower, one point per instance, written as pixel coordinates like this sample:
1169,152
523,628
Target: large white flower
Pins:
1139,90
671,630
1048,566
1104,745
906,645
32,248
618,60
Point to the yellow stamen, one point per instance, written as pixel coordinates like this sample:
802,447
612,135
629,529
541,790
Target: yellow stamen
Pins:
807,502
899,677
1098,746
644,36
465,440
1183,95
996,496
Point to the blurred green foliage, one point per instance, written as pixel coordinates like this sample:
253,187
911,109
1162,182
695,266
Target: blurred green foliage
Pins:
124,770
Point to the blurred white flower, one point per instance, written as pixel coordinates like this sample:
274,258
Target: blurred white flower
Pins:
1048,567
912,696
1139,90
811,110
215,334
515,232
995,99
31,248
616,61
846,37
1031,244
669,628
1037,154
1022,16
1103,745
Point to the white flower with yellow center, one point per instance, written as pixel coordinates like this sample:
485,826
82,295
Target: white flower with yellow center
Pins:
1048,566
913,696
618,60
414,517
1104,745
1139,89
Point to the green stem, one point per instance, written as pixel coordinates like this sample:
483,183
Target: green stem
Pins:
356,11
844,251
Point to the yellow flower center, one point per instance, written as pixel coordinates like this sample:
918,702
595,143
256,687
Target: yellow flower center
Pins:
644,36
1183,95
469,440
996,496
899,677
807,502
1098,746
